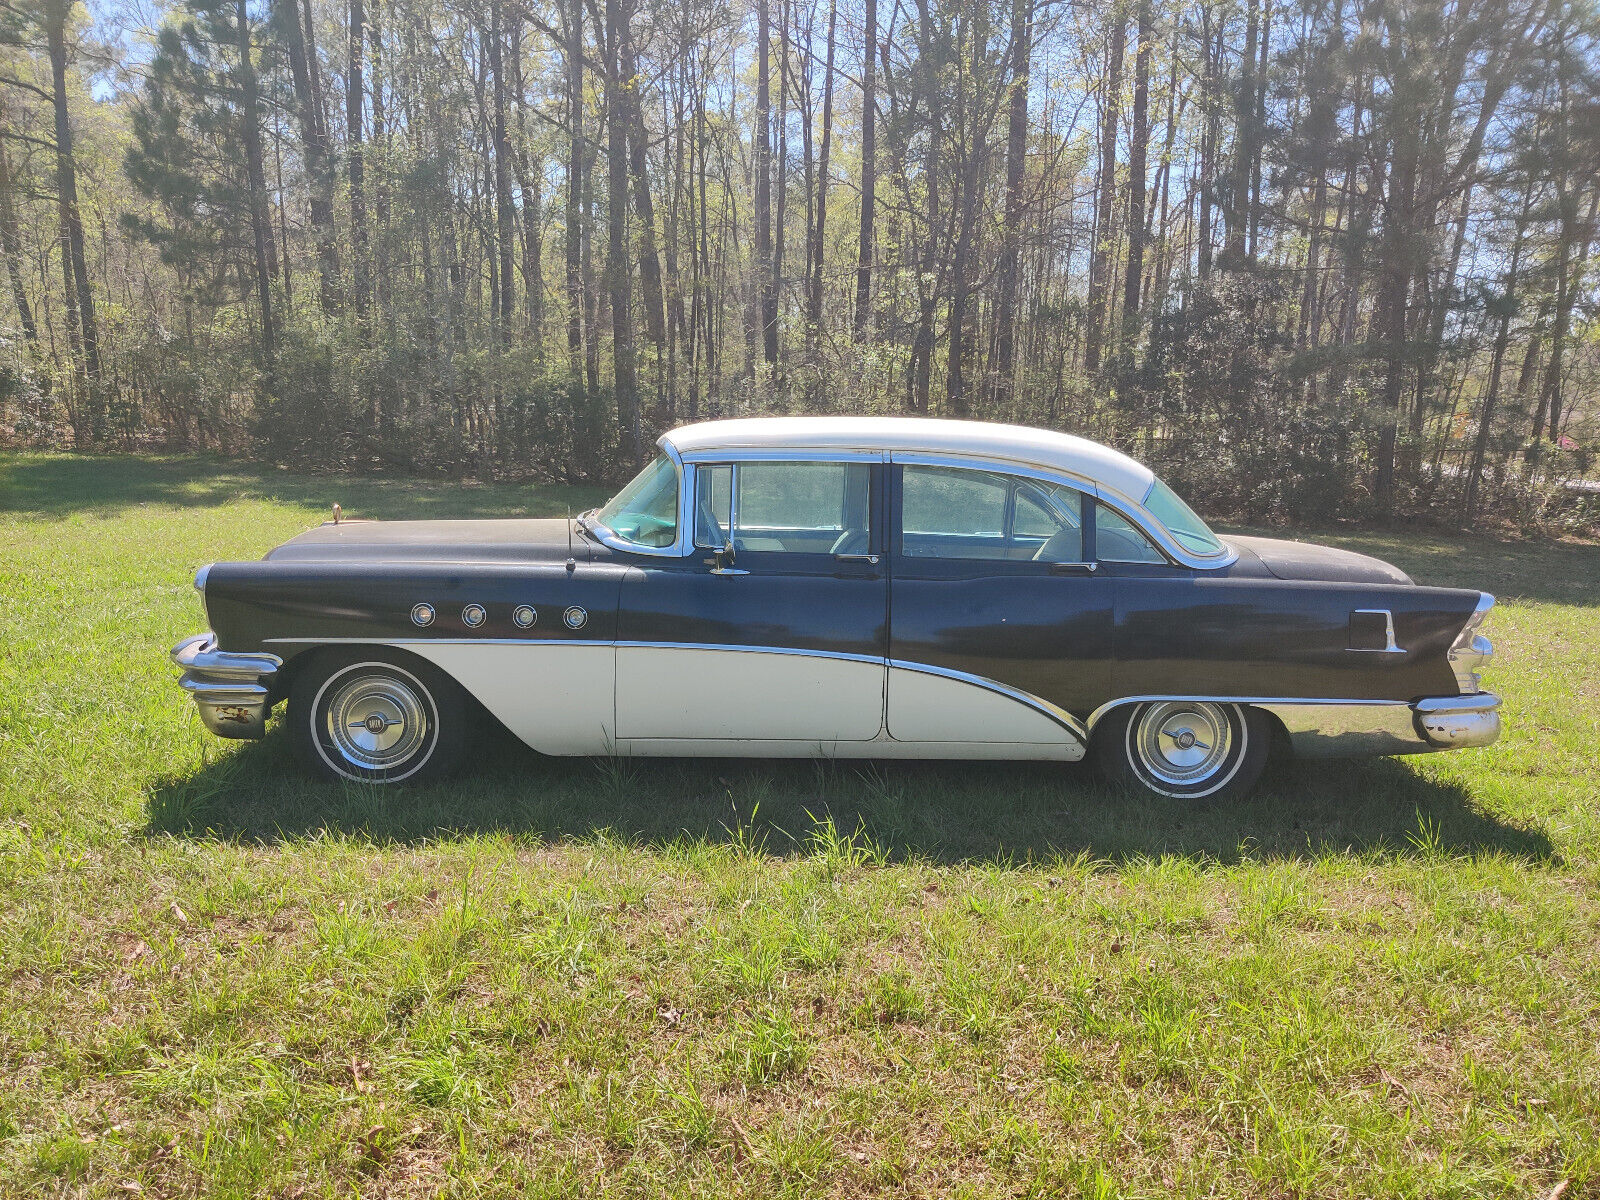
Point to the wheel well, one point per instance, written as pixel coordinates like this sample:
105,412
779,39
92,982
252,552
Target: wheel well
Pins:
1281,748
283,682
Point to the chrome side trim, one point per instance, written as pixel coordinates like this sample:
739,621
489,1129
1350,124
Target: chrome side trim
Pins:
1324,728
1094,717
230,690
1059,715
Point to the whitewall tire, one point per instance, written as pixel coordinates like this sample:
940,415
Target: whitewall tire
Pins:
1203,752
374,716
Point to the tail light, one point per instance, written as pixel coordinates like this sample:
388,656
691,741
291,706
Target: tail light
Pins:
1471,649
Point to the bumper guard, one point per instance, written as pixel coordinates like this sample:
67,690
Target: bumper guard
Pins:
230,690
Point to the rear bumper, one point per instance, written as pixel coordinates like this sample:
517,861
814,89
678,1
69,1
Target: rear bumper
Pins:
232,691
1335,730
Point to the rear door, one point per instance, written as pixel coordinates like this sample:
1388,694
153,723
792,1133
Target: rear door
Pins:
1000,622
776,629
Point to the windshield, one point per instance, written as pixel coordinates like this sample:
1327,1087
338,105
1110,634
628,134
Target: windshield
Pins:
1181,521
646,511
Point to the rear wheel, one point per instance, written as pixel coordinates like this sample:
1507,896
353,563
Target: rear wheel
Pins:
368,716
1199,751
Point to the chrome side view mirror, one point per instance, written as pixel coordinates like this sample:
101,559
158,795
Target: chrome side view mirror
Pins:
721,561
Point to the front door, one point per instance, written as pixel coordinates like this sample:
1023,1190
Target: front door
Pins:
776,629
1000,623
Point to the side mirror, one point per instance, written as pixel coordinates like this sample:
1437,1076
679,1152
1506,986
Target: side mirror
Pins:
721,561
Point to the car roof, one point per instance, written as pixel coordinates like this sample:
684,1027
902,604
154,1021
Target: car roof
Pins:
1020,444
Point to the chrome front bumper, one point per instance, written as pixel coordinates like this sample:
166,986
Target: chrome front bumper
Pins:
230,690
1321,729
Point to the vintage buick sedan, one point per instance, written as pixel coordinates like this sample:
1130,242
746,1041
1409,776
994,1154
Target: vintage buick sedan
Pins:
850,588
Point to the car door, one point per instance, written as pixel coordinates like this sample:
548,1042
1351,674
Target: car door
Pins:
1000,623
776,628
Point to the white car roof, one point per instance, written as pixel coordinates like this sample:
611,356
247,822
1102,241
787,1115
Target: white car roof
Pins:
1039,448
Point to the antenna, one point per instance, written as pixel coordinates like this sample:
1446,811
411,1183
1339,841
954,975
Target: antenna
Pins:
572,563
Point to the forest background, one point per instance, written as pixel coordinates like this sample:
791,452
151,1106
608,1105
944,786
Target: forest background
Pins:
1311,259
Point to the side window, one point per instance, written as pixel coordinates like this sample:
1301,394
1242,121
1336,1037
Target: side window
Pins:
957,513
783,506
1116,539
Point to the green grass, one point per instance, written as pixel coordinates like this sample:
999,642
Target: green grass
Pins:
588,978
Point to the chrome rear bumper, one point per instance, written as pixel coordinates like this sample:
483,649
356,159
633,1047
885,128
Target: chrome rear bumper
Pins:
230,690
1323,729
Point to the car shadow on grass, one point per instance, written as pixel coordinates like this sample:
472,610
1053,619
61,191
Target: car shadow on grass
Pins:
939,811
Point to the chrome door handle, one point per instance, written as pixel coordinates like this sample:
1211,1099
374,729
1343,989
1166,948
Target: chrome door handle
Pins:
860,558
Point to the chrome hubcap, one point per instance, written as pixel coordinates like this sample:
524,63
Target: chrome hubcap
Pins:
376,722
1182,742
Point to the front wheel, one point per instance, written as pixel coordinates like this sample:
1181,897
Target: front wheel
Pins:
368,717
1199,751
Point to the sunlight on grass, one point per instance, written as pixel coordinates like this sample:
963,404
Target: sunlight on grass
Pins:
751,978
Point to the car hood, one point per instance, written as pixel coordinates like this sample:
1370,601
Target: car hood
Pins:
1309,561
439,541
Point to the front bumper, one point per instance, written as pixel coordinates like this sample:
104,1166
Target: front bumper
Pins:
1334,730
232,691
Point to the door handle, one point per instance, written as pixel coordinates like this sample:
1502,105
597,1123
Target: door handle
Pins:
871,559
1074,568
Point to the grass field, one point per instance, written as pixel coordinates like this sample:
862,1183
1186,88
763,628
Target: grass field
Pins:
589,978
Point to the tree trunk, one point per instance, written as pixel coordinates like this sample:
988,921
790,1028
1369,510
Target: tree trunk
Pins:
11,245
574,213
814,300
260,220
315,150
1570,270
1016,162
655,309
763,167
1134,277
1244,150
1100,252
75,266
869,168
1507,304
619,277
504,207
355,103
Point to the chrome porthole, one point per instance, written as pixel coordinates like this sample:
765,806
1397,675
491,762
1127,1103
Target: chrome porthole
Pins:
1185,747
575,617
524,616
473,615
375,722
422,615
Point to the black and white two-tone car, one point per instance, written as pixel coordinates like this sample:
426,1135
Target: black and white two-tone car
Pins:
849,587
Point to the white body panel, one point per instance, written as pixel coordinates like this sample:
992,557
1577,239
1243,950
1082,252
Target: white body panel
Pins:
924,707
565,698
709,694
558,697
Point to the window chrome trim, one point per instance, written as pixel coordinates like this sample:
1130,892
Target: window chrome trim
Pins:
1131,510
682,546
